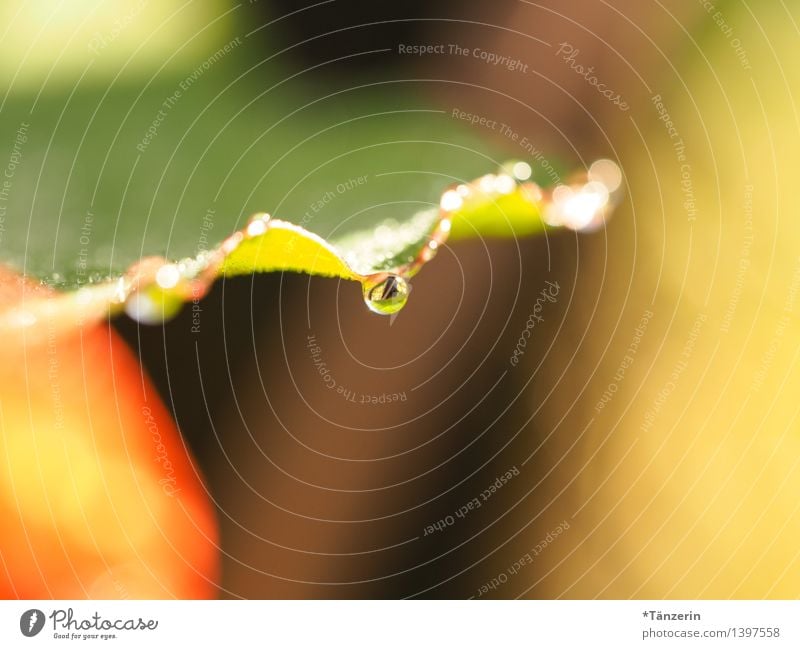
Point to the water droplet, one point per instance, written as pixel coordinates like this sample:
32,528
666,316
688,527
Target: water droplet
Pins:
387,296
451,200
521,170
486,183
504,184
168,276
256,228
152,305
230,244
606,172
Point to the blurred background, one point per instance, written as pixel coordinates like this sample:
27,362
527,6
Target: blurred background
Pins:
647,444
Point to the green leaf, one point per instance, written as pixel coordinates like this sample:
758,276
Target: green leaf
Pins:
104,176
285,247
106,187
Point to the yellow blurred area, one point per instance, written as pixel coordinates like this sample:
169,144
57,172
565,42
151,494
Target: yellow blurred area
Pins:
59,42
693,475
97,488
97,492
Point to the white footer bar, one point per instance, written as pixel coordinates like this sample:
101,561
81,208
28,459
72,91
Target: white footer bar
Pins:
389,624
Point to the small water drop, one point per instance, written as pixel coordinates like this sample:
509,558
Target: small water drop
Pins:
168,276
451,200
387,296
153,305
256,228
522,170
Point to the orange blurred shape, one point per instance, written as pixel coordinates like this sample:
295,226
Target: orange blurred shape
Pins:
99,497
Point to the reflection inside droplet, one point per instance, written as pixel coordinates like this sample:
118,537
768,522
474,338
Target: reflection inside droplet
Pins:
386,296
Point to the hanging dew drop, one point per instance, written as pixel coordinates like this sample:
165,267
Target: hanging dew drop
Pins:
387,296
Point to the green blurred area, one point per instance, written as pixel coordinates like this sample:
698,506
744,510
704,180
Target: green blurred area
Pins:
170,135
